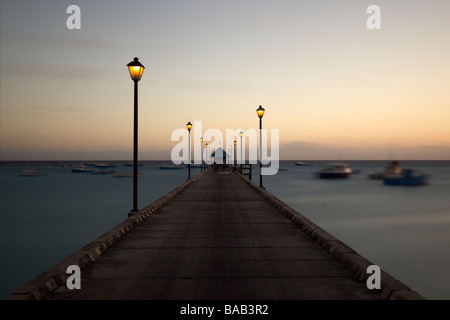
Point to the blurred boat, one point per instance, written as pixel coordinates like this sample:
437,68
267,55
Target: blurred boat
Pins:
408,177
32,173
391,169
336,171
301,163
81,169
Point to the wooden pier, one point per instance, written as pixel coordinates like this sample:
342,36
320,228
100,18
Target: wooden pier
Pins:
216,237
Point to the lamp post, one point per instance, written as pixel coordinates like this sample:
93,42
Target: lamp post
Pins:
201,154
206,153
136,70
189,127
234,155
241,135
260,112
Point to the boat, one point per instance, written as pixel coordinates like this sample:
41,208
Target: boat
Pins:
336,171
89,164
301,163
408,177
81,169
32,173
169,167
391,169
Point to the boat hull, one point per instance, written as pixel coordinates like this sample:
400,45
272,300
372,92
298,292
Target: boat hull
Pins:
334,175
417,181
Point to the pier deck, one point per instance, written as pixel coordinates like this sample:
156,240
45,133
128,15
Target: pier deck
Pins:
222,238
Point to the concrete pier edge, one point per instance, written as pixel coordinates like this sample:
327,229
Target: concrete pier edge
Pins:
48,281
391,288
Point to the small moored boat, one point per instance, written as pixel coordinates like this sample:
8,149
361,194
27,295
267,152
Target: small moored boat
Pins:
336,171
408,177
81,169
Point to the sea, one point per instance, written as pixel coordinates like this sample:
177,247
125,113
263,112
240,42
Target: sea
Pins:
404,230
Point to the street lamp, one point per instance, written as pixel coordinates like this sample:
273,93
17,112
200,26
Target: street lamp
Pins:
206,154
136,70
201,154
260,112
241,135
234,155
189,127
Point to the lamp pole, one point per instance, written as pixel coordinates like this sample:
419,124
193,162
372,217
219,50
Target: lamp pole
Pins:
189,127
206,155
234,155
201,154
136,70
241,135
260,112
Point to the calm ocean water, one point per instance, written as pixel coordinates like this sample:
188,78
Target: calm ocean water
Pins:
404,230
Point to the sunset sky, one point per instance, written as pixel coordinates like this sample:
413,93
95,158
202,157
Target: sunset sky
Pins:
331,86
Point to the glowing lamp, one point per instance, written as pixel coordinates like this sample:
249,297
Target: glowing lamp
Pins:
260,111
136,69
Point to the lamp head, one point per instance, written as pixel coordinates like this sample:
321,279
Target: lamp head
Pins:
136,69
260,111
189,126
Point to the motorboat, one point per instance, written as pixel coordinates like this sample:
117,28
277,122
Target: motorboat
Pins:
82,169
336,171
391,169
408,177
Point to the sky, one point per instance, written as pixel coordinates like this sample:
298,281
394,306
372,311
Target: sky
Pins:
333,87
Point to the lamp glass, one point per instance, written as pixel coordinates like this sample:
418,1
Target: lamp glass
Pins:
260,111
136,69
